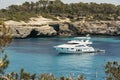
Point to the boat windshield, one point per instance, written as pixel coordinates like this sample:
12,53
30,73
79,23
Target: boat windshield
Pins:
72,43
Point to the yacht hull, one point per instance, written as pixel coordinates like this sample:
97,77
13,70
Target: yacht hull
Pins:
65,51
75,52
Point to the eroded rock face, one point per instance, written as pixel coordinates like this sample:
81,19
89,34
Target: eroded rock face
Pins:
65,29
21,32
101,27
36,27
46,31
25,32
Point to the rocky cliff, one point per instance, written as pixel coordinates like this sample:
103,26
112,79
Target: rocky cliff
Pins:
90,27
98,27
44,27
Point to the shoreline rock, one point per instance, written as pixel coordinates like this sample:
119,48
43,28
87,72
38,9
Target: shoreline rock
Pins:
42,27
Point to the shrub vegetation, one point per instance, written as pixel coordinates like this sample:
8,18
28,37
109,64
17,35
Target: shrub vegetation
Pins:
51,9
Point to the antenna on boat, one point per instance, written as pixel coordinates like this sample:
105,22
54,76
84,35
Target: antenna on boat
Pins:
88,35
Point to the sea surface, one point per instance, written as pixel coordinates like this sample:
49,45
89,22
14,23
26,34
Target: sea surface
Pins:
37,55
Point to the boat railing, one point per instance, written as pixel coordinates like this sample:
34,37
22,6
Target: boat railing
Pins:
82,38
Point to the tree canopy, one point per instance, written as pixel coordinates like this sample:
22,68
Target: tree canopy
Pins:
112,70
92,11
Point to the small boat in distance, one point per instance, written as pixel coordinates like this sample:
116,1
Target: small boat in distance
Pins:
78,45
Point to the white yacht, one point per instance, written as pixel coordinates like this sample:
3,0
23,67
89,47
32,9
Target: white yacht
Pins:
78,45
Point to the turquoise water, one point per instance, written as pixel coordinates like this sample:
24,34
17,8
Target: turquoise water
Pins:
38,56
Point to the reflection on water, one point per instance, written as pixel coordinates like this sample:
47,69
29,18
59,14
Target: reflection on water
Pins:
39,56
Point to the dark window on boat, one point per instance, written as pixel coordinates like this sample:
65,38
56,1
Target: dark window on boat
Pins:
78,50
72,48
80,46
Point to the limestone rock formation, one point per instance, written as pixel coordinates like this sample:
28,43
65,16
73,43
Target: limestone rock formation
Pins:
46,27
101,27
25,30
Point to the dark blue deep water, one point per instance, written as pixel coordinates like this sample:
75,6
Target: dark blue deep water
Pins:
38,56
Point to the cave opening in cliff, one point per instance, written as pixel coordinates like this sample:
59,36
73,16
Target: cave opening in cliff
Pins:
33,34
56,27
